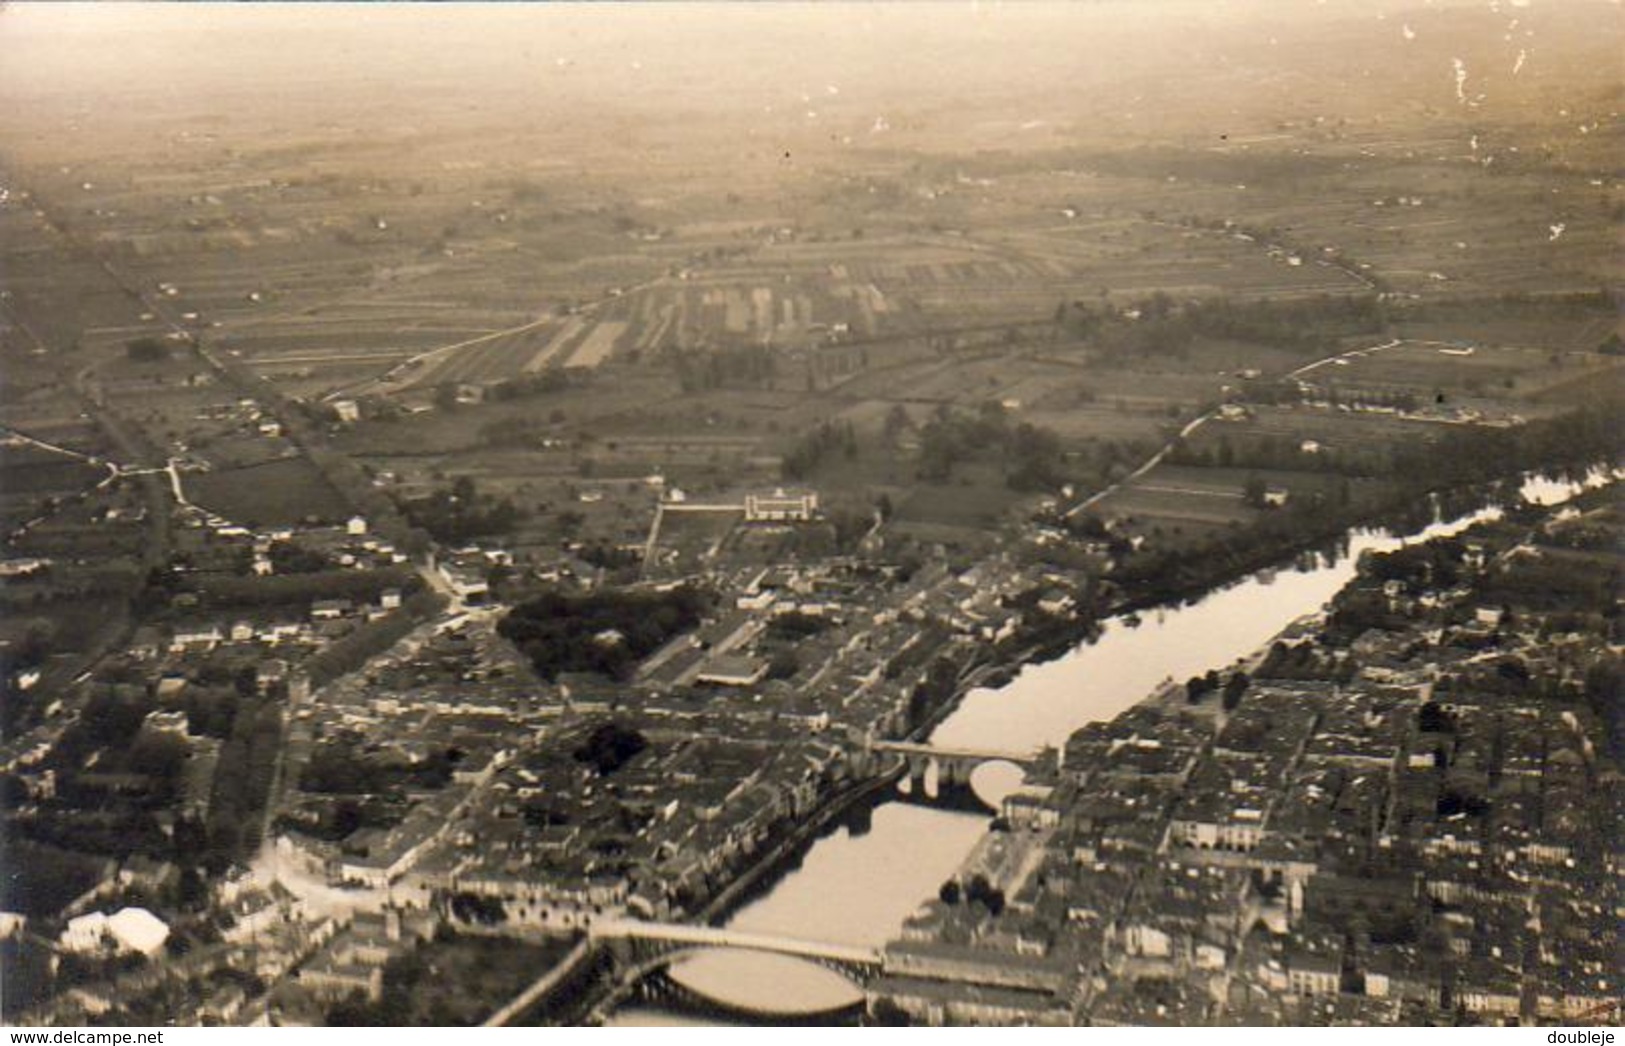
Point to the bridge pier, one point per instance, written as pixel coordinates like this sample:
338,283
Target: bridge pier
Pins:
918,765
935,773
939,776
623,950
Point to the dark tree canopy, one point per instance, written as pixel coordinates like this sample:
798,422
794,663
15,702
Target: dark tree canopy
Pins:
609,747
146,350
603,632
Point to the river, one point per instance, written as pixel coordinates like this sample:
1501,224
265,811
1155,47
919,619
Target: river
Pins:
858,888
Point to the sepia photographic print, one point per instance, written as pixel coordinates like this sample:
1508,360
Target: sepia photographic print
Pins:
1094,514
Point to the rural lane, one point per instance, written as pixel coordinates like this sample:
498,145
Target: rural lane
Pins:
1195,423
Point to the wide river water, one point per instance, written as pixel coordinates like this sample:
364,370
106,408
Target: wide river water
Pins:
858,888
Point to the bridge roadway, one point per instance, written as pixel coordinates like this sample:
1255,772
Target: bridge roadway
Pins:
683,936
912,748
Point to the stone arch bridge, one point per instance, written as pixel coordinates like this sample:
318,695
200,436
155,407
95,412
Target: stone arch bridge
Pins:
952,766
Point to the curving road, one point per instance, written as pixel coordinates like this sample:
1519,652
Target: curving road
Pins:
1195,423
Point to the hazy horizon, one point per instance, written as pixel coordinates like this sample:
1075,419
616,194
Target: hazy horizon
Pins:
812,70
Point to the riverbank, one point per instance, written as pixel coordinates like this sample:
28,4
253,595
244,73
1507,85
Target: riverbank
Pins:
1176,805
586,982
789,850
1044,704
1055,639
1484,504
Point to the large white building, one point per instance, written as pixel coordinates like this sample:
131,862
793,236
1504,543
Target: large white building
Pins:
781,506
128,929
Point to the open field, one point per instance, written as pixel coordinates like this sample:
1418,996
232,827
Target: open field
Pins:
912,263
1175,506
927,317
1356,436
276,493
302,283
1552,324
36,481
27,470
687,541
51,416
977,499
1459,370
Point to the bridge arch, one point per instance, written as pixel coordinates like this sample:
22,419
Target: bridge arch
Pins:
662,988
639,942
934,771
642,967
643,954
